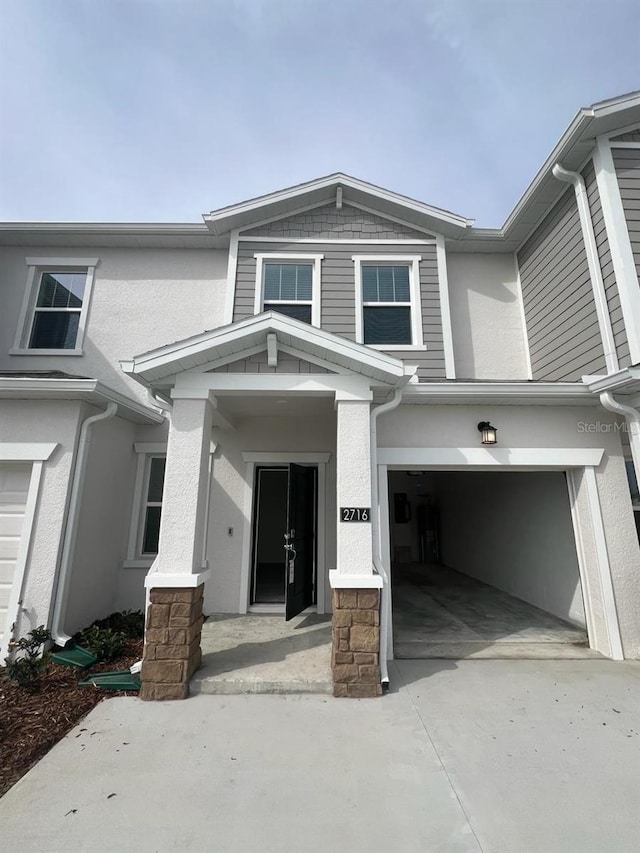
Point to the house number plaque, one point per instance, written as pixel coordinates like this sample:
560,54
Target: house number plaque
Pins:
355,513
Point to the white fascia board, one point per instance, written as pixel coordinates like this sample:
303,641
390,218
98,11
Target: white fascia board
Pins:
296,334
189,386
494,392
628,378
461,458
216,218
160,228
12,451
88,390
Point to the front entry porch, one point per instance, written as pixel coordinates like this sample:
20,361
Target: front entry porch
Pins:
260,653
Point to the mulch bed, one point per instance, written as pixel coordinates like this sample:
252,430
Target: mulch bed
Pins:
34,720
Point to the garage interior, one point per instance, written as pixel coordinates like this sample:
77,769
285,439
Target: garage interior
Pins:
484,564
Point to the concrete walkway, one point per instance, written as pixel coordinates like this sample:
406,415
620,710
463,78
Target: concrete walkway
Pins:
492,756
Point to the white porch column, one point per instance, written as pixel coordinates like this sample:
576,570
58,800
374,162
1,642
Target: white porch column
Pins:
184,506
353,481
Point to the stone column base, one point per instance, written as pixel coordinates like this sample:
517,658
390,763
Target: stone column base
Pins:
172,642
355,655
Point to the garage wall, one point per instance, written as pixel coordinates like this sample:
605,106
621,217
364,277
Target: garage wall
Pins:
513,531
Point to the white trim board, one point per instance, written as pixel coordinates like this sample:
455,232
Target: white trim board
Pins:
18,452
461,458
445,310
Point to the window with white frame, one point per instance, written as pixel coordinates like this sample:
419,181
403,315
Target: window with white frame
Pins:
152,508
289,285
55,305
147,504
388,301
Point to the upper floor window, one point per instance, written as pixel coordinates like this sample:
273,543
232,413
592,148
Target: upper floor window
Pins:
289,285
388,301
55,304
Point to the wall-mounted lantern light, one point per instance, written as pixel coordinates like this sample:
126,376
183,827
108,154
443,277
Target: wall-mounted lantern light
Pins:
489,433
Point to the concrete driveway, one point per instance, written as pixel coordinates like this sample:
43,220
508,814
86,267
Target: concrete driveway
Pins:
494,756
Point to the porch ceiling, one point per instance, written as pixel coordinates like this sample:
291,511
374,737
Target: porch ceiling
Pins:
200,353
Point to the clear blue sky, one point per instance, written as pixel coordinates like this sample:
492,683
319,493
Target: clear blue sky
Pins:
160,110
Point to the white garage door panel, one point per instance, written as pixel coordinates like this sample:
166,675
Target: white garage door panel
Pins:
14,485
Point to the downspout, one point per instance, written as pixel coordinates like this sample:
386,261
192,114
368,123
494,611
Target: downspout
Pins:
385,593
593,261
71,530
632,416
159,402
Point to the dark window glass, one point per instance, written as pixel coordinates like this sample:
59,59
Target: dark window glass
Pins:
54,330
156,480
384,325
151,530
298,312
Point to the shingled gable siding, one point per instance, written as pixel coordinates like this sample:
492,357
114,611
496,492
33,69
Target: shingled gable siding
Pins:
338,292
631,136
562,325
606,266
259,364
348,223
627,163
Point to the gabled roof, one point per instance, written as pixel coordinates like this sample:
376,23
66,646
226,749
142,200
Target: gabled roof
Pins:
323,191
157,368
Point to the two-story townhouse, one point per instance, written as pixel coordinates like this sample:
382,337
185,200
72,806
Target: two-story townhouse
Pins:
340,398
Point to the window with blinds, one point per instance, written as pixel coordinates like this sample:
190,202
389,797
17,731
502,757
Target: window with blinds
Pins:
386,304
57,311
288,289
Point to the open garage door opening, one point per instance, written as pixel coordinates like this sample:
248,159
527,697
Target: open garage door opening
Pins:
484,564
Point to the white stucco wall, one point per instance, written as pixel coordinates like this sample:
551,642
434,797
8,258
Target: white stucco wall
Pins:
486,318
43,421
104,523
141,299
547,427
513,531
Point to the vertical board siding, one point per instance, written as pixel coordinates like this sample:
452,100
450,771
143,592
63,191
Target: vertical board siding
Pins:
606,266
348,223
338,305
562,324
629,136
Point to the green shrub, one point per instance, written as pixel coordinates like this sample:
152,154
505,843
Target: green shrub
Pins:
25,668
106,643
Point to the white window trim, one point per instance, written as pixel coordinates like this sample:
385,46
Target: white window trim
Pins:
283,257
35,267
417,340
145,452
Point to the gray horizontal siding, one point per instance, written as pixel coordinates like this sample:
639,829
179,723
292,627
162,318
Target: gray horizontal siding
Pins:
348,223
627,163
606,266
562,324
338,306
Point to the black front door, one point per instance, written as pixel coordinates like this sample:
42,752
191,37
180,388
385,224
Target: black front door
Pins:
300,545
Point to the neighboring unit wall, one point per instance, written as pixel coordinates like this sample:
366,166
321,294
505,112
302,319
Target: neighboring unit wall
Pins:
513,531
338,301
562,324
627,163
103,524
486,316
141,299
606,266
